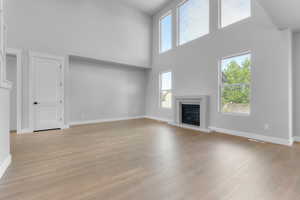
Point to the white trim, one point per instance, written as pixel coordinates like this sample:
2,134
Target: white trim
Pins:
178,23
26,131
5,165
190,127
178,125
297,139
202,100
65,127
290,85
33,54
158,119
220,84
18,54
254,136
236,22
97,121
161,90
169,13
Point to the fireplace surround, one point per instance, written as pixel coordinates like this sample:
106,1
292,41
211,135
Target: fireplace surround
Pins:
182,102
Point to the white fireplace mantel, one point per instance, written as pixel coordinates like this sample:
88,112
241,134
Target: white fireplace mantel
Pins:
202,100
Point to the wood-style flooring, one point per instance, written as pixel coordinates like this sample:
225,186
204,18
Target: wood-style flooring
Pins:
148,160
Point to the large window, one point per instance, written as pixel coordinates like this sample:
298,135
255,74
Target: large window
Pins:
235,80
165,33
193,20
233,11
165,83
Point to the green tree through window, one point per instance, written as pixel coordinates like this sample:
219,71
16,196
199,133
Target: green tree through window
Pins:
235,87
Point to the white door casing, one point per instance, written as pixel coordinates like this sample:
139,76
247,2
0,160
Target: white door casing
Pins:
46,92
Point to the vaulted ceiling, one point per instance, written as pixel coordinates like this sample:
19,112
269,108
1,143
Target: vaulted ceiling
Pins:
284,13
148,6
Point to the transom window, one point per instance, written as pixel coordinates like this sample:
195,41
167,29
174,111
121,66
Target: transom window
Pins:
165,33
235,80
165,83
232,11
193,20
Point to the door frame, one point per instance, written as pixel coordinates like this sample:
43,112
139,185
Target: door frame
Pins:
18,54
32,55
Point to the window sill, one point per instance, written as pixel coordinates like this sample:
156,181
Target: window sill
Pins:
236,114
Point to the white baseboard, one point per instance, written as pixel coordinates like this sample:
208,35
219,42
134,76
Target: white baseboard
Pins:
4,165
25,131
191,127
104,120
254,136
157,119
297,138
65,127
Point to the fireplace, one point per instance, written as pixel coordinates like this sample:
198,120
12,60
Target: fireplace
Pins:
190,114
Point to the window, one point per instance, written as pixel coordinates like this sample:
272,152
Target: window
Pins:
165,96
233,11
235,80
165,33
193,19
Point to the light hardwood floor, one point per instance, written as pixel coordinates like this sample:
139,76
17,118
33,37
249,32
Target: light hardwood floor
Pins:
147,160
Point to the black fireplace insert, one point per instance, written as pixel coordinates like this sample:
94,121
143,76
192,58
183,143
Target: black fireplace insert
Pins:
190,114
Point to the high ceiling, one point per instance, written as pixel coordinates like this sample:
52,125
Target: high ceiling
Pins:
148,6
285,13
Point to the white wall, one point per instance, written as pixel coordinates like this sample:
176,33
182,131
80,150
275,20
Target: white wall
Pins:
4,130
296,63
100,29
195,71
11,69
100,90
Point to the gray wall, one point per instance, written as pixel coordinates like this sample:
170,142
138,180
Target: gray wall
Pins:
100,90
4,125
195,71
101,29
11,69
296,63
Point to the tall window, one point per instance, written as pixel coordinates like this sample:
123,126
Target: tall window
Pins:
233,11
165,97
165,33
193,20
235,80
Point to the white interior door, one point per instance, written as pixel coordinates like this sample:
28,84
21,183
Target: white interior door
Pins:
47,92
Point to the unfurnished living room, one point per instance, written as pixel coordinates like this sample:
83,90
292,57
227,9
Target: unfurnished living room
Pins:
149,99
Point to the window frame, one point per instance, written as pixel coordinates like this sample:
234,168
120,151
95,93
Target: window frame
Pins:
160,33
178,23
220,85
160,90
237,22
